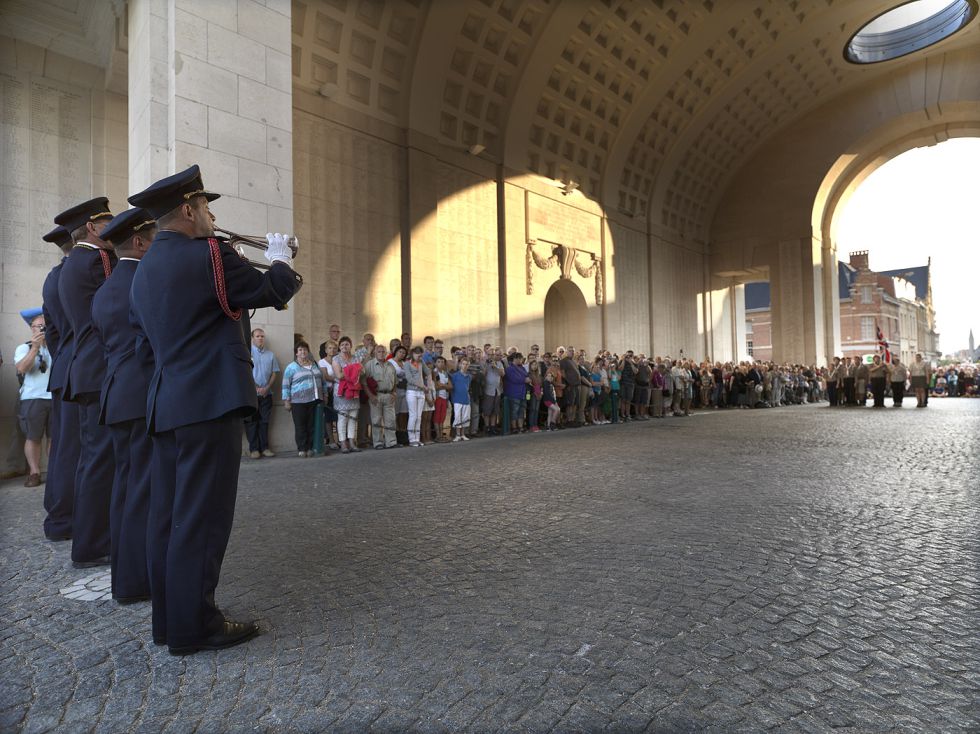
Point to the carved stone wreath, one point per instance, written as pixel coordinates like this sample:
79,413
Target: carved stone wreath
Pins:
567,258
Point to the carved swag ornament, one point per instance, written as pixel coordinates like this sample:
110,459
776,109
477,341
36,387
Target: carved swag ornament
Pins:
566,258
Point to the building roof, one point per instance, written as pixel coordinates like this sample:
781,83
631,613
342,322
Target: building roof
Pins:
917,276
757,295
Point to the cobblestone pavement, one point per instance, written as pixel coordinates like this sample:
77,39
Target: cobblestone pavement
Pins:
801,569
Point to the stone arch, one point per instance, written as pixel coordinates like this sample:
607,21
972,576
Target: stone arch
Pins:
777,212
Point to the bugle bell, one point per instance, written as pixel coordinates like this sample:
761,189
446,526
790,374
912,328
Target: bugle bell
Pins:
235,240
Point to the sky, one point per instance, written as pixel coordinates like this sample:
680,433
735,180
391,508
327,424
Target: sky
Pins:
925,203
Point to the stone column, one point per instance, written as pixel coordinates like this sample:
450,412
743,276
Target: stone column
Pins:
798,297
211,83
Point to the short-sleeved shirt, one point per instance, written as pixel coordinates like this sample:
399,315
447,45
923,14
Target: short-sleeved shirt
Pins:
492,386
35,385
461,387
264,365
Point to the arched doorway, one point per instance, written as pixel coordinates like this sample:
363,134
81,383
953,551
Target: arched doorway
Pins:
566,317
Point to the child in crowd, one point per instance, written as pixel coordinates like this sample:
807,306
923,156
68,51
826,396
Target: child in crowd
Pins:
441,380
550,399
459,384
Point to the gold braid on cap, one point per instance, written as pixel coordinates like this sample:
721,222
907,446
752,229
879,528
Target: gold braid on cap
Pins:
189,194
140,226
99,216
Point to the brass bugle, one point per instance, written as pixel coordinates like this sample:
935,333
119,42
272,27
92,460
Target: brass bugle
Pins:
235,239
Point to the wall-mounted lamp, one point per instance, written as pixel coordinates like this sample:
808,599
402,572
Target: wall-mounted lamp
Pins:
568,187
328,90
476,149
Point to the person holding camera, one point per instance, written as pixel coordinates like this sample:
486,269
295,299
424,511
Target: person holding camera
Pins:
31,359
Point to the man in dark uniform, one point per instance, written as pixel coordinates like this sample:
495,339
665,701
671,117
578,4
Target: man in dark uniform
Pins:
85,270
59,490
123,407
188,297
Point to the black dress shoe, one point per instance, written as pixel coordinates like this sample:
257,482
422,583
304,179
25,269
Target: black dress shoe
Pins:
58,537
230,634
103,561
131,599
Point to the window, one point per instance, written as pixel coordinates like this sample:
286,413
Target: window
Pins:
867,328
748,327
748,347
907,28
865,294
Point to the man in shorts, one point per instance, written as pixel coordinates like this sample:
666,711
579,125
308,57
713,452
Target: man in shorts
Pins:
32,361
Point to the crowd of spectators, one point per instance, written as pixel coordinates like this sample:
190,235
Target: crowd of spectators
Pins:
405,394
955,381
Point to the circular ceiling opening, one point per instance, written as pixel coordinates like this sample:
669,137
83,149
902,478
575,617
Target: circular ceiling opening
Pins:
908,28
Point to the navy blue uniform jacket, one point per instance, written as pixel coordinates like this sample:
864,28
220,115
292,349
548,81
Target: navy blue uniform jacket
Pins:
81,276
57,329
202,364
125,385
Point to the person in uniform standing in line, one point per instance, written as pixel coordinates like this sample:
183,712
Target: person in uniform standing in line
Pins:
861,375
833,375
899,374
878,373
123,408
188,297
59,490
88,265
846,374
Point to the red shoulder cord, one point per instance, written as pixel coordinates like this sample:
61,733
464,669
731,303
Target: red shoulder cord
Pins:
106,265
219,281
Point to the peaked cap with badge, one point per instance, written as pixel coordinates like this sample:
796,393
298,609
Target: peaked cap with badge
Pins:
168,193
125,225
81,214
58,236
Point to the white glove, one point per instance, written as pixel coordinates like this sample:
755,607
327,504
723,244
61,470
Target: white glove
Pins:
278,250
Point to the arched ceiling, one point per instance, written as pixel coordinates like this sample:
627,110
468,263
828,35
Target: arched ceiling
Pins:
650,105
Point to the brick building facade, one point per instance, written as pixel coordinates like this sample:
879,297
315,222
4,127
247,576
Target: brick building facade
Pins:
899,301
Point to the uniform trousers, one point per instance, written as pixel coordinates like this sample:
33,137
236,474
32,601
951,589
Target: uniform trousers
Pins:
59,490
130,508
849,391
93,484
192,508
898,392
832,393
860,392
383,420
878,390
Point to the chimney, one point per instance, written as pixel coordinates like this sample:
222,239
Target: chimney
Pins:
859,260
